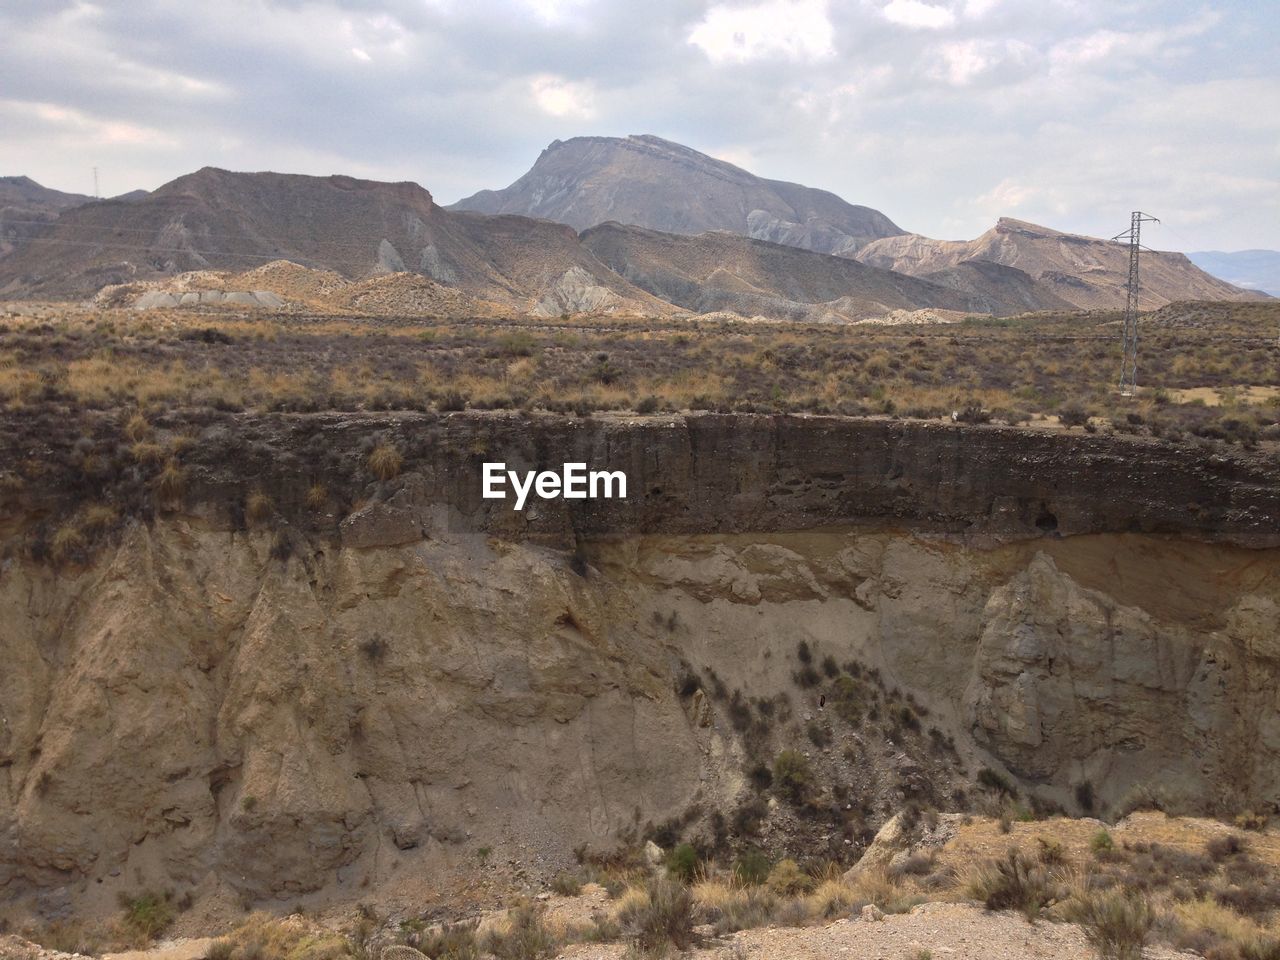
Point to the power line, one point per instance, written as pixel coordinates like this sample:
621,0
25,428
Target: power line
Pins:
1129,359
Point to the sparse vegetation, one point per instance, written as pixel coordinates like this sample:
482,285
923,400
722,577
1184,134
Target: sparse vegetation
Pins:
146,915
385,461
659,919
1115,922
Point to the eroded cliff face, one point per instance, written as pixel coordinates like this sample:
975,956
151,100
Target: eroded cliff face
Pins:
191,712
335,705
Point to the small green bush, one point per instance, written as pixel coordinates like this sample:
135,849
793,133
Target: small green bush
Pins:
792,776
146,915
752,867
682,862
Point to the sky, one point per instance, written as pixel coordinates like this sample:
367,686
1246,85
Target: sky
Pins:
943,114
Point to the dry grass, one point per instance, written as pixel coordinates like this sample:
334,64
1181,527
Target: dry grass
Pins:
1022,371
385,461
263,937
258,507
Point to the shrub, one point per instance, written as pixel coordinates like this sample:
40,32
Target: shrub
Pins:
1014,883
761,777
682,862
786,879
451,941
818,734
137,428
1073,415
1116,923
317,496
524,936
792,776
994,780
647,405
1260,948
146,915
744,910
1252,821
972,412
385,461
257,507
67,543
844,699
1051,852
1219,848
661,919
97,518
452,400
171,482
566,884
1101,843
752,867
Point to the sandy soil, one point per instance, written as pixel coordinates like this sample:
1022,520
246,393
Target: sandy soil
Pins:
945,930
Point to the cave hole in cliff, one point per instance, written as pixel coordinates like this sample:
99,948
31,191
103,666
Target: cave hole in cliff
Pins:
1047,520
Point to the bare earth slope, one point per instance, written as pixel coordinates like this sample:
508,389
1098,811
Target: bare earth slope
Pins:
1083,271
216,219
343,697
721,271
654,183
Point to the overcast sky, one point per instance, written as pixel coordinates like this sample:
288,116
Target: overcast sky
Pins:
944,114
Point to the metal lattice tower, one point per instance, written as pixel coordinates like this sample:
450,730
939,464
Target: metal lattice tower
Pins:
1129,362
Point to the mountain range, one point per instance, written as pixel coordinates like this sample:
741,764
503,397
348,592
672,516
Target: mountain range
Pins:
649,182
637,225
1250,269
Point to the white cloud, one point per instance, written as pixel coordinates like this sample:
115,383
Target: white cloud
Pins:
918,15
556,12
360,54
963,61
976,9
72,126
563,98
792,29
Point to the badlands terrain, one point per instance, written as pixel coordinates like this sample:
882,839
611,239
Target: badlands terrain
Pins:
884,602
911,637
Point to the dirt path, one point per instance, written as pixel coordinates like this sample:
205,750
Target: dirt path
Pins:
947,931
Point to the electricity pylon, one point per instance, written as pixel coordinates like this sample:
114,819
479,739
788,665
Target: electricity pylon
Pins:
1129,362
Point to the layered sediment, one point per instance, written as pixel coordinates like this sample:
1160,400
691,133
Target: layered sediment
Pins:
251,686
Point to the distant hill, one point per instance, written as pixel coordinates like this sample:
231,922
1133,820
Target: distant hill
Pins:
1082,271
725,272
650,182
25,193
216,219
1250,269
25,206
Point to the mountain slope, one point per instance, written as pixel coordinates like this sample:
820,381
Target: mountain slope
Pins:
215,219
1250,269
25,206
25,193
722,271
1083,271
654,183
